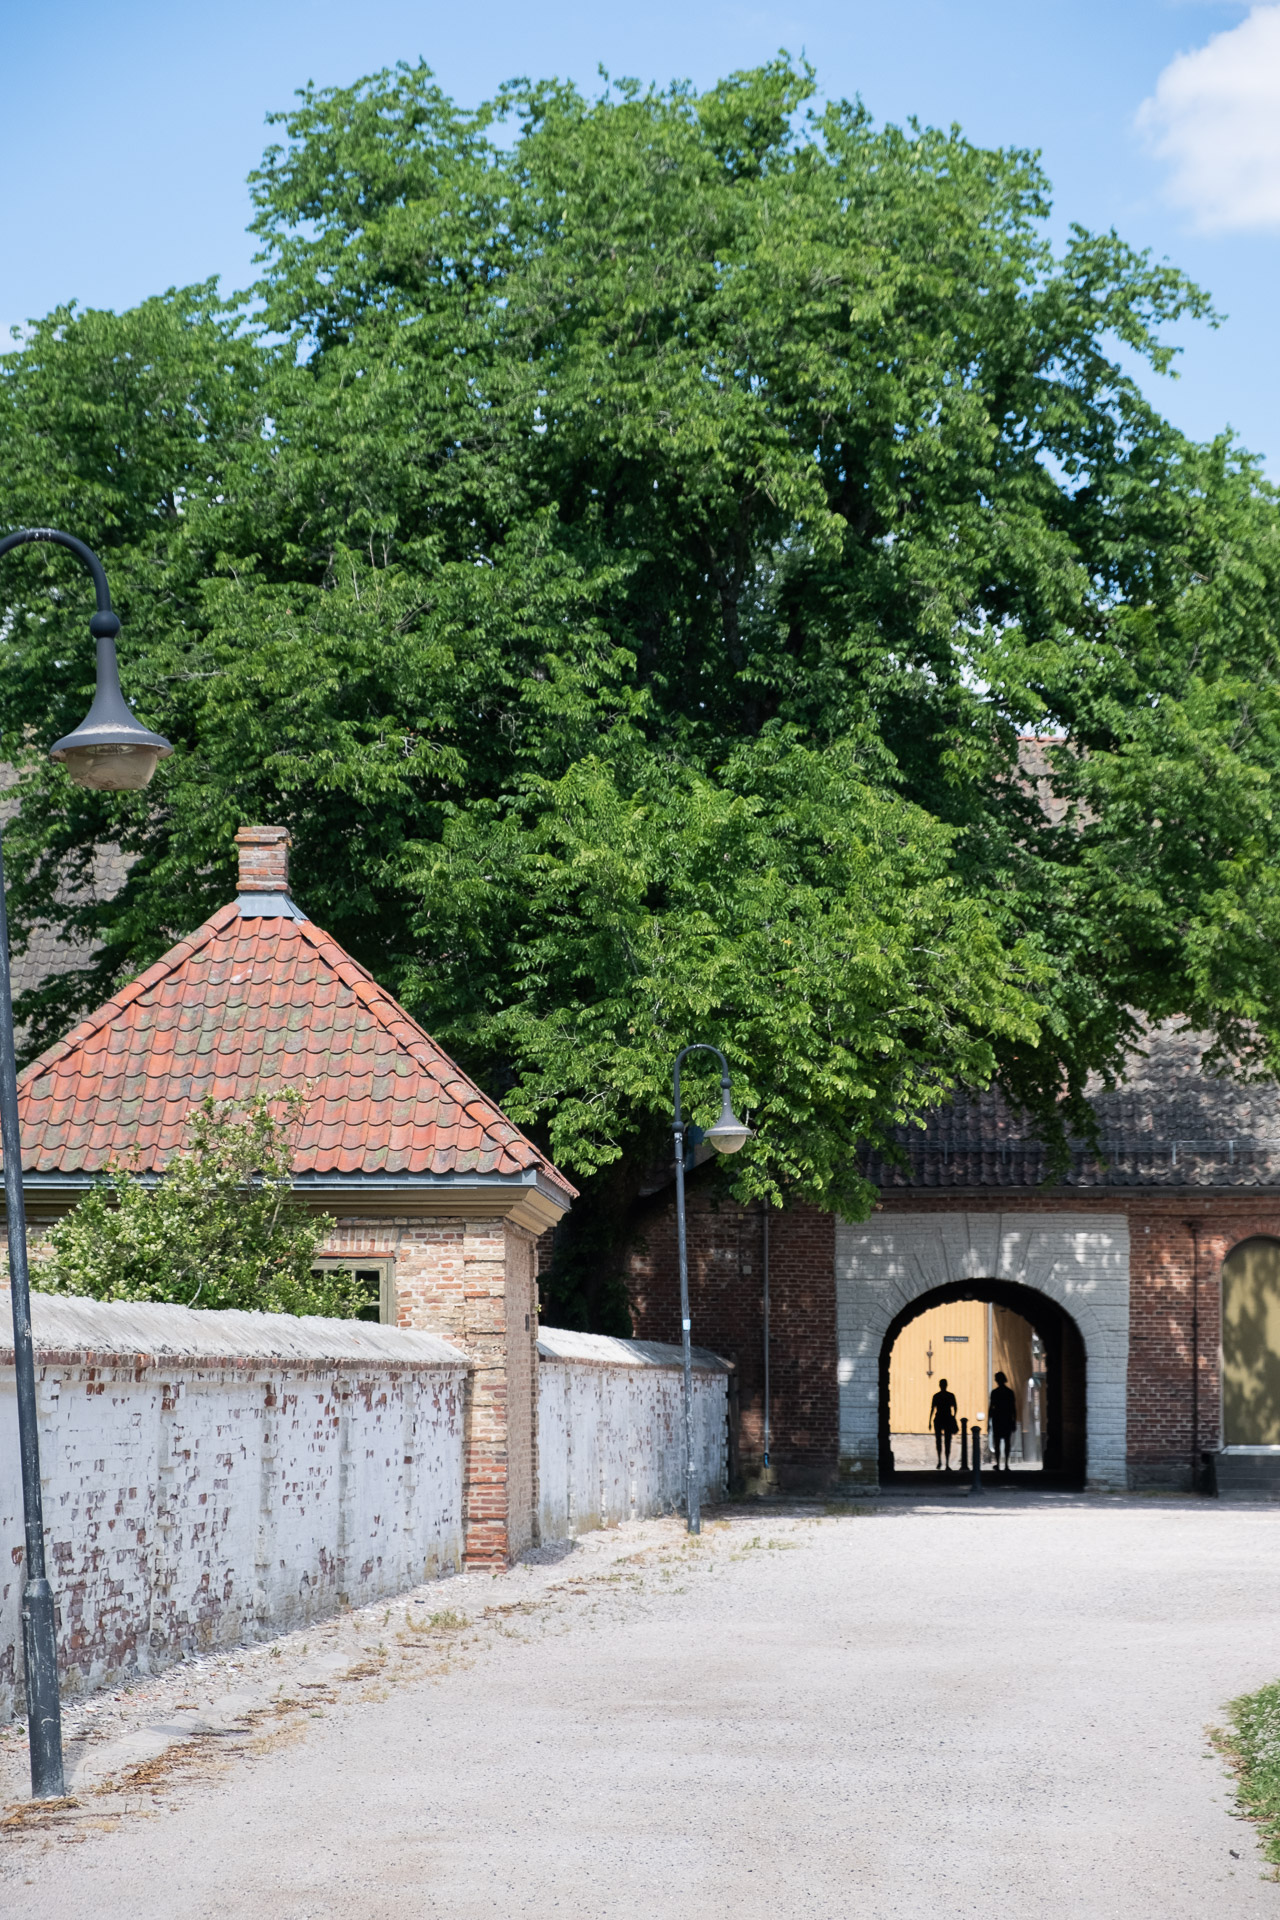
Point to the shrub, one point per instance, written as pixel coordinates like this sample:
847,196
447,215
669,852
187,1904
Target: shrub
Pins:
220,1228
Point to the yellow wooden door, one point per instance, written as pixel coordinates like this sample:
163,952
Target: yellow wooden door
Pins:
945,1343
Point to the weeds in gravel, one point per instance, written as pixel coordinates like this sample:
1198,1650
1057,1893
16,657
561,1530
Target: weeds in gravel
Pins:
446,1621
1251,1747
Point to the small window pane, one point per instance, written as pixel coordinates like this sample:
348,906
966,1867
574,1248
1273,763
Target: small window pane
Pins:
374,1284
369,1280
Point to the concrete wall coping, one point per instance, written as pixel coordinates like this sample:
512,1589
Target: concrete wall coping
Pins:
603,1350
73,1330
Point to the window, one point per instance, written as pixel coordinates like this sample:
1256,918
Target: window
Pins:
376,1279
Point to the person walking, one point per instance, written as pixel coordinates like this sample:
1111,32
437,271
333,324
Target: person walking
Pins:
1002,1419
942,1418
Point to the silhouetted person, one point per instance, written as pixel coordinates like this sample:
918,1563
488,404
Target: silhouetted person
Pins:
942,1418
1002,1418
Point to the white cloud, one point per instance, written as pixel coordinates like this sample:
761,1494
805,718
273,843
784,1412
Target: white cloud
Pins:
1215,115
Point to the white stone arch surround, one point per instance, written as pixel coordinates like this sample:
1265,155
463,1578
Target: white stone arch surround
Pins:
1080,1260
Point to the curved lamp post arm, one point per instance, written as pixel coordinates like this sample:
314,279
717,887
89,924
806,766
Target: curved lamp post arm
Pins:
697,1046
27,536
110,750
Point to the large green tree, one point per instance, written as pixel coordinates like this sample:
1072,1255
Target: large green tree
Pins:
625,539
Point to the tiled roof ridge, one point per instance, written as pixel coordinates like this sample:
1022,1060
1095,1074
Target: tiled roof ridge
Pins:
415,1041
453,1117
133,990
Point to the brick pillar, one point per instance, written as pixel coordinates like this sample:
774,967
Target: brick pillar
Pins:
472,1283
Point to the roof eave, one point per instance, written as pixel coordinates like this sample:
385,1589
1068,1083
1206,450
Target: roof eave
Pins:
529,1198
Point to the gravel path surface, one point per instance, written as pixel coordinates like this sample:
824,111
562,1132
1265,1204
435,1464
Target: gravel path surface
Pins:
979,1708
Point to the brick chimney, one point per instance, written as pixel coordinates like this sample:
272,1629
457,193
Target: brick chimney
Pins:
264,860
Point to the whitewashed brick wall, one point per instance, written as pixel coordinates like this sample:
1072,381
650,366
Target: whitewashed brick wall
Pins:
216,1477
610,1430
211,1478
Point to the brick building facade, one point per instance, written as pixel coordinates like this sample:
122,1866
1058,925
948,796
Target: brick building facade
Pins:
435,1195
1121,1258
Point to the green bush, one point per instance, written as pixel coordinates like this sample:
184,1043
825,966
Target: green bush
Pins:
221,1228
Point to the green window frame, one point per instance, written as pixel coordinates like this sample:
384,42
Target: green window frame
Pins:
377,1278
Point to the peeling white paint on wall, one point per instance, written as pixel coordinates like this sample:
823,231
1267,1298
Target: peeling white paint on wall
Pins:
610,1430
217,1477
213,1478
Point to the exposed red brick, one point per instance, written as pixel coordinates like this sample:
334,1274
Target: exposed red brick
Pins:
726,1270
1162,1255
264,860
1168,1426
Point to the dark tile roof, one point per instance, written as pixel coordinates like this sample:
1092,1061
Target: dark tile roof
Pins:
257,1004
1168,1125
48,950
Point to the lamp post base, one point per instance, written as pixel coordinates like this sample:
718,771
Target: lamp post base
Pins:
44,1709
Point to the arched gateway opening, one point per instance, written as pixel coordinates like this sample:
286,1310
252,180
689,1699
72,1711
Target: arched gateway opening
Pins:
998,1323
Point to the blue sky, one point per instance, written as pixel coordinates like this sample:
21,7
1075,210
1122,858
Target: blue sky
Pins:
126,131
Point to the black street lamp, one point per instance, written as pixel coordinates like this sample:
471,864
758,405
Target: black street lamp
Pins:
109,750
726,1136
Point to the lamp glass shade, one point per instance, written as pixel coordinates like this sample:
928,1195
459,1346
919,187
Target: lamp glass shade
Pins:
110,750
115,767
728,1134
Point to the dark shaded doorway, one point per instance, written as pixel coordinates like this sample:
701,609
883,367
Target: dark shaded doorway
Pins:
1060,1352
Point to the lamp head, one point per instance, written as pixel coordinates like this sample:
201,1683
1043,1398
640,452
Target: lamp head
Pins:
110,750
728,1135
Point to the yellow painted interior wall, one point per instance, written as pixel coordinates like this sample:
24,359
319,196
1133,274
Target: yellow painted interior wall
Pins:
950,1343
946,1343
1012,1355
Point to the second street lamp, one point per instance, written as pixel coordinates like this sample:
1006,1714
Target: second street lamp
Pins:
110,751
726,1136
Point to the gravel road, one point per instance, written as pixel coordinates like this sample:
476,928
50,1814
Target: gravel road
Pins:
987,1708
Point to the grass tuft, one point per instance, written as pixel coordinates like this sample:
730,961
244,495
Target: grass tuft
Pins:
1251,1746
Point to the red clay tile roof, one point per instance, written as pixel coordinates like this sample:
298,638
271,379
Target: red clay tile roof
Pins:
245,1005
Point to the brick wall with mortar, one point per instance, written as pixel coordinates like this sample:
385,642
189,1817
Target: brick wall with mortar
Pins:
725,1260
472,1283
611,1430
264,860
1176,1242
1161,1404
726,1271
212,1478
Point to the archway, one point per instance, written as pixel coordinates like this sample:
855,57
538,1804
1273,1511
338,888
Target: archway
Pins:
1251,1344
1079,1260
1064,1436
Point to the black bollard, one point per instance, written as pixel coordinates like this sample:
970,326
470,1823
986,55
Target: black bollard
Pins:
977,1460
964,1444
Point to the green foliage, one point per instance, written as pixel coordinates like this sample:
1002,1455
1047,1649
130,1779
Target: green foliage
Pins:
810,922
220,1229
624,544
1252,1746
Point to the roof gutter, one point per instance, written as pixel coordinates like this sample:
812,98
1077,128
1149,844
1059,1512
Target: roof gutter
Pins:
529,1198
